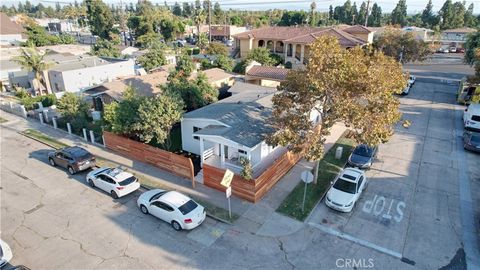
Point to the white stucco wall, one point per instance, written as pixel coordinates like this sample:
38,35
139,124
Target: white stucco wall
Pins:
79,79
11,39
188,142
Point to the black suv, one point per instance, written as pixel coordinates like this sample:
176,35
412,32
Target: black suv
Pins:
74,159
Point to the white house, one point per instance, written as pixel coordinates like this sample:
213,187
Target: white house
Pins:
456,37
424,34
82,74
223,132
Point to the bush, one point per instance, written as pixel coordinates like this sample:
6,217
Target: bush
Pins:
240,67
206,64
30,103
190,51
247,170
195,51
288,65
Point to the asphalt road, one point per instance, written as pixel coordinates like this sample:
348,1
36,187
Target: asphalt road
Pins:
414,214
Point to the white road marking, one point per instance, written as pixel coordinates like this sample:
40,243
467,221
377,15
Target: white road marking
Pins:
378,204
353,239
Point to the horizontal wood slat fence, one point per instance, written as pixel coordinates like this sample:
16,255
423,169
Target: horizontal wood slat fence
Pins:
173,163
251,190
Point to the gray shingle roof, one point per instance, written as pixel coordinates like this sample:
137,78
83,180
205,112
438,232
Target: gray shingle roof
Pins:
245,113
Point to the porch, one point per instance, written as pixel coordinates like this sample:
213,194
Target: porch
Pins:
226,156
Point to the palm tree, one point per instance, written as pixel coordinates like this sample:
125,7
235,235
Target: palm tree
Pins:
32,59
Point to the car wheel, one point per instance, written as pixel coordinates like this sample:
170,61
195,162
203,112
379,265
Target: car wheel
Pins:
144,209
71,170
176,226
90,182
52,162
114,194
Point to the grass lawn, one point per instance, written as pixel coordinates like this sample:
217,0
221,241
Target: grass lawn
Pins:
212,210
328,170
3,120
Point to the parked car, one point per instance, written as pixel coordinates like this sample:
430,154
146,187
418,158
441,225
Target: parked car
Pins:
5,253
411,80
460,50
443,50
453,49
406,90
471,141
74,159
178,210
471,117
363,156
115,181
229,43
346,190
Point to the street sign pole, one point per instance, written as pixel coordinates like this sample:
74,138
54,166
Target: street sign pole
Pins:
228,194
304,196
307,177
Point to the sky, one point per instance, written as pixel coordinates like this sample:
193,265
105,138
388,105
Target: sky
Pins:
413,6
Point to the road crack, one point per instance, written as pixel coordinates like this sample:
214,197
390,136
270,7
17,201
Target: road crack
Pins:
285,254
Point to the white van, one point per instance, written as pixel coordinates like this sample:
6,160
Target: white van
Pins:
471,117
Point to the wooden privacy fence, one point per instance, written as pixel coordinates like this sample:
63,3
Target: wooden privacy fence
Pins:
173,163
251,190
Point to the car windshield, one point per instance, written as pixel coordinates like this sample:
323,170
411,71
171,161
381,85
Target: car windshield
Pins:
188,207
1,252
128,181
156,196
345,186
81,154
363,150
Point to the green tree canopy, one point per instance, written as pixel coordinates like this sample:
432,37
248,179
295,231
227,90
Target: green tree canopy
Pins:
155,57
402,46
399,14
72,106
99,18
105,48
351,86
224,62
33,60
216,48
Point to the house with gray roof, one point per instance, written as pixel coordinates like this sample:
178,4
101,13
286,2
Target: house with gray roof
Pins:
223,132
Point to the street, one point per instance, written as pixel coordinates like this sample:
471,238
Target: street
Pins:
413,215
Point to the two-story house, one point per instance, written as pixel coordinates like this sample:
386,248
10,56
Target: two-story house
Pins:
293,43
455,37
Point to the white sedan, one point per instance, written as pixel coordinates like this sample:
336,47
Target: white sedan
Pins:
346,190
172,207
5,253
115,181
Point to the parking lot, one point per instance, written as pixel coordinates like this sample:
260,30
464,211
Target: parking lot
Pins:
411,207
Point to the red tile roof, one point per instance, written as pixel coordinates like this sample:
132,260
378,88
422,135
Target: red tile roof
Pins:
356,29
307,35
460,30
220,30
273,73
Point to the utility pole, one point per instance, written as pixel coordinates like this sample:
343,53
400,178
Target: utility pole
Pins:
209,21
366,15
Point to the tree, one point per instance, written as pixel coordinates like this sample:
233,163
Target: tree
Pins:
121,116
105,48
156,117
99,18
471,45
33,60
375,19
216,48
72,106
184,66
177,9
447,15
399,14
224,62
350,86
218,13
362,14
469,19
202,41
236,20
262,56
404,47
313,15
428,16
330,13
187,10
459,11
155,57
171,27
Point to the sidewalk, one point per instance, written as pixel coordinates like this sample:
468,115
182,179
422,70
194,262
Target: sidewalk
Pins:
259,218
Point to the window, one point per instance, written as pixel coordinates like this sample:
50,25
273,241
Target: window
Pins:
359,183
195,129
345,186
240,151
476,118
188,207
163,206
128,181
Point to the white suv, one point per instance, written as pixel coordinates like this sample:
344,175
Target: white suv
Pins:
346,190
471,117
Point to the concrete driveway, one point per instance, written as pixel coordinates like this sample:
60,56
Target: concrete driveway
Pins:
411,208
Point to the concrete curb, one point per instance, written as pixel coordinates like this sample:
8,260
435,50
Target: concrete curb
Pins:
35,139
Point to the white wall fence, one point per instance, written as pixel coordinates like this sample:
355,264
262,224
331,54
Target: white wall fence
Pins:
13,108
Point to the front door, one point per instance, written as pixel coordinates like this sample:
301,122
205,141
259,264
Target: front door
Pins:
225,151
